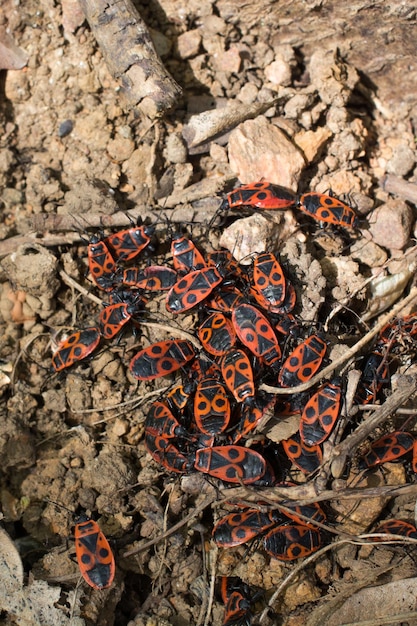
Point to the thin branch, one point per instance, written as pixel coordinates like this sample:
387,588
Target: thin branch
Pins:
350,352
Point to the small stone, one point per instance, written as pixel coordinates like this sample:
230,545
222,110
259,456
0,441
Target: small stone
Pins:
311,142
229,61
368,253
333,79
72,16
175,149
248,93
65,128
279,72
120,149
162,44
255,234
188,44
218,153
390,224
296,105
402,161
258,149
213,25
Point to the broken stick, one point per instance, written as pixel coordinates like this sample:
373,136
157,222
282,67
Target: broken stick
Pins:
130,55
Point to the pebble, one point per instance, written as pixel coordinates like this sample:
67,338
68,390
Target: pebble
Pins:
175,149
65,128
256,234
228,61
402,161
311,142
188,44
368,253
390,224
297,105
333,79
258,149
248,93
120,148
279,72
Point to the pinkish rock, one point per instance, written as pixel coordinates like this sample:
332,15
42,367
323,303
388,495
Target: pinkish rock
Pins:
229,61
279,72
390,224
255,233
258,149
188,44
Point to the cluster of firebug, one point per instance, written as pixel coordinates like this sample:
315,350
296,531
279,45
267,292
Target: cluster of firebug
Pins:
249,335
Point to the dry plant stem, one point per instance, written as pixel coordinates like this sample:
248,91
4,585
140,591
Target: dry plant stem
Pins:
307,494
177,332
300,495
213,560
7,246
191,515
401,618
53,223
327,371
400,187
407,386
130,55
66,278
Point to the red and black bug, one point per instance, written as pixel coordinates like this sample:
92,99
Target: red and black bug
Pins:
101,263
151,278
303,362
77,346
232,464
161,358
269,284
226,299
160,421
211,407
192,289
260,195
297,513
287,325
375,374
237,598
225,260
240,527
186,257
178,396
238,375
92,550
94,556
256,333
396,527
125,306
290,542
399,329
327,209
290,300
217,334
126,244
252,414
307,458
164,452
387,448
320,414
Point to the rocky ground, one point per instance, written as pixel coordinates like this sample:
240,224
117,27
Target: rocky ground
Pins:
313,98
